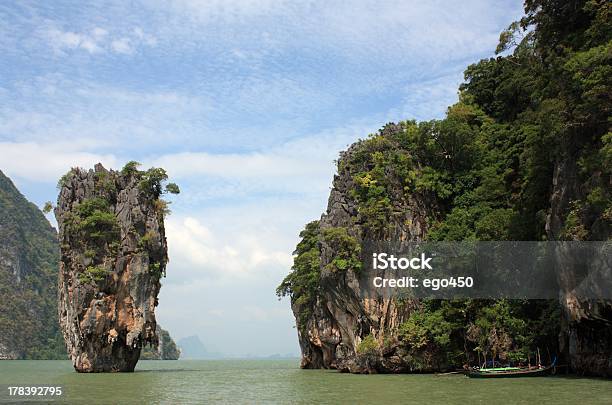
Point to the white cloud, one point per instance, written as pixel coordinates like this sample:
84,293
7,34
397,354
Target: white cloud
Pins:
199,253
97,40
122,45
145,38
259,314
428,99
391,32
99,33
46,162
67,40
211,9
233,101
57,108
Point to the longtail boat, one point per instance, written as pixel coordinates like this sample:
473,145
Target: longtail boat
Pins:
512,372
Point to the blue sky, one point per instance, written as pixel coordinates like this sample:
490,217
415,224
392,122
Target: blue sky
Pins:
246,103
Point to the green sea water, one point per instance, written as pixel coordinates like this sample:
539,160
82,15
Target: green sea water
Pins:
281,381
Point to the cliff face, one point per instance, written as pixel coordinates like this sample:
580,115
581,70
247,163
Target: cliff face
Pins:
391,187
28,269
523,156
333,324
165,350
586,338
113,253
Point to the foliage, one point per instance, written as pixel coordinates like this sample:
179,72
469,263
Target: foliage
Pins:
63,181
346,248
155,268
486,172
166,350
96,222
368,346
48,207
145,240
172,188
432,330
93,274
151,181
302,283
105,183
29,324
161,207
131,168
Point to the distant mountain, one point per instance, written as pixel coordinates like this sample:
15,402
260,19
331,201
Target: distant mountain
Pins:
193,348
29,257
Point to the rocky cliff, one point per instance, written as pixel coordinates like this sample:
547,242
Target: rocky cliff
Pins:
586,338
341,319
386,189
166,348
524,155
113,254
337,327
28,271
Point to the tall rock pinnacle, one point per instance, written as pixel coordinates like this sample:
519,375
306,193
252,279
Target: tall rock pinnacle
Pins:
113,254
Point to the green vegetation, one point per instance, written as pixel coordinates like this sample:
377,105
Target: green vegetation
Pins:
130,168
145,241
172,188
526,112
368,346
93,227
65,179
28,279
161,207
95,222
166,350
48,207
93,274
302,283
346,248
156,270
151,184
105,184
151,181
486,171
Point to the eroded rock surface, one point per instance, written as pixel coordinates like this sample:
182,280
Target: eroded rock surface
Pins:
586,338
28,270
340,318
113,253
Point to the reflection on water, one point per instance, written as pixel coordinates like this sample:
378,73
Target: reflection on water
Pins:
281,381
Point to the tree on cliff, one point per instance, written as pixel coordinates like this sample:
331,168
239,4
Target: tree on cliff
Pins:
113,255
29,254
485,172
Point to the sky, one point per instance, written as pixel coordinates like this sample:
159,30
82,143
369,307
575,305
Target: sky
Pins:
246,104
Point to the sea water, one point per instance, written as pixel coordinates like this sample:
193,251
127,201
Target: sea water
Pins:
282,381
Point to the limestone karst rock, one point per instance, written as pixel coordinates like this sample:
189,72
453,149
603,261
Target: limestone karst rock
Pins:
29,255
113,253
586,338
340,327
165,350
331,328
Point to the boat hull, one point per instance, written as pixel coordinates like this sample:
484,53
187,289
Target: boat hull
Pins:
541,372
